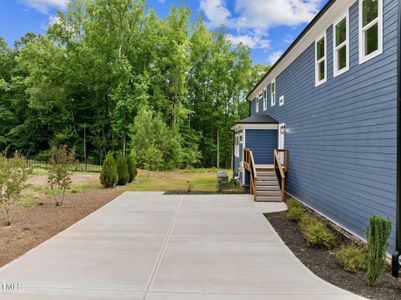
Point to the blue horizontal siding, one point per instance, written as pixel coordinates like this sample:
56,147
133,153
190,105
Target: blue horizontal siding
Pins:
342,135
262,142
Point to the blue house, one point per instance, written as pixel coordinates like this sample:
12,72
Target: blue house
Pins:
324,124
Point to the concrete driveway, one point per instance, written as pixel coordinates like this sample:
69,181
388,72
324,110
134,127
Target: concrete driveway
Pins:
152,246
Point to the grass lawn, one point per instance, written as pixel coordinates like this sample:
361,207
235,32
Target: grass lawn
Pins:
199,179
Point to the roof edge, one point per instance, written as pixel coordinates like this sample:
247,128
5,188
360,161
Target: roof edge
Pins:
300,36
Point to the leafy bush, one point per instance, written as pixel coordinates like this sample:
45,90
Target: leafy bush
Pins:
13,176
131,168
293,203
352,258
378,233
59,177
317,235
295,213
109,175
306,221
152,159
122,170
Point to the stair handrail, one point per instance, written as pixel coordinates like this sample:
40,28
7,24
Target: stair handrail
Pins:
278,165
249,159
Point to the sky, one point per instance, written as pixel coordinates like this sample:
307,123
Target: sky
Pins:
268,27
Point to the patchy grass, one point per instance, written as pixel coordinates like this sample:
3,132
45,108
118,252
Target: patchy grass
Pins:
28,201
39,171
199,179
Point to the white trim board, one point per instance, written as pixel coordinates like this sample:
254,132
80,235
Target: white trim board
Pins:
327,20
239,127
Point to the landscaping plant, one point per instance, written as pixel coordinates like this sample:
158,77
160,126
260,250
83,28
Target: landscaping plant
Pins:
293,203
122,170
59,177
295,213
13,177
306,221
131,168
352,258
318,235
378,233
109,175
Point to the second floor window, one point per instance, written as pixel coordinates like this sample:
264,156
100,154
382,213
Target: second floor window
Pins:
265,99
321,61
370,29
273,92
341,48
258,103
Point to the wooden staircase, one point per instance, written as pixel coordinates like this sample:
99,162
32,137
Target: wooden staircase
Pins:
267,187
267,184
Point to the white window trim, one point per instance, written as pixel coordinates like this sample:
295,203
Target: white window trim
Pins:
265,99
273,94
379,20
317,82
257,103
345,43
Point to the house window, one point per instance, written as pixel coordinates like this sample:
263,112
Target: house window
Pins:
321,61
257,103
341,46
273,92
238,142
265,99
370,29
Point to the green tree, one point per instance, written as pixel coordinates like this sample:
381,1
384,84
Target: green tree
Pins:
131,166
122,170
109,175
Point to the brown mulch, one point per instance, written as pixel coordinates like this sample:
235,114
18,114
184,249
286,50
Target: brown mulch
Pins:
34,225
323,262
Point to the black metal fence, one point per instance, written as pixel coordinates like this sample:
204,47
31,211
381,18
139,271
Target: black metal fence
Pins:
76,167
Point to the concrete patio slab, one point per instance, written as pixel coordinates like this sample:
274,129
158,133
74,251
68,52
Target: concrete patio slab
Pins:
154,246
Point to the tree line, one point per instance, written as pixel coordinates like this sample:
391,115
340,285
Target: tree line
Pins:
113,76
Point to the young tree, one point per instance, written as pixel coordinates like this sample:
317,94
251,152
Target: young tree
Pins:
13,177
59,177
109,175
122,170
131,165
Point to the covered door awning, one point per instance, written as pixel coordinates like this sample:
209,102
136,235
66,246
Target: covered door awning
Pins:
256,122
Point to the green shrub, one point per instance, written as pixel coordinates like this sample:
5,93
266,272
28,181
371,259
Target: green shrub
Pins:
293,203
352,258
306,221
109,175
131,168
317,235
295,213
378,233
122,170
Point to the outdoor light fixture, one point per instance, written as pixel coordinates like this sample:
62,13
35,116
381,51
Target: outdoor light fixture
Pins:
283,129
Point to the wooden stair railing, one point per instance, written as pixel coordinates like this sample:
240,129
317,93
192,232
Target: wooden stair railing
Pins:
281,168
249,165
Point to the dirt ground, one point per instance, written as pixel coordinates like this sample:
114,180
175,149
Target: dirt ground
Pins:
324,264
40,219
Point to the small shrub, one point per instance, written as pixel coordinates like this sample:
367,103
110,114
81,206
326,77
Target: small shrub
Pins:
109,175
293,203
295,213
131,166
378,233
189,186
306,221
59,177
317,235
122,170
352,258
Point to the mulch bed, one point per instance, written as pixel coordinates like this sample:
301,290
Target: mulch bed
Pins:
323,262
36,224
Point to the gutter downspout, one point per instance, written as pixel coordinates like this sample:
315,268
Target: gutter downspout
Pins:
396,256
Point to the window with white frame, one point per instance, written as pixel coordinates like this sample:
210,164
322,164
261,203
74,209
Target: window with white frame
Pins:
341,45
273,88
320,60
238,142
265,99
370,29
257,103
